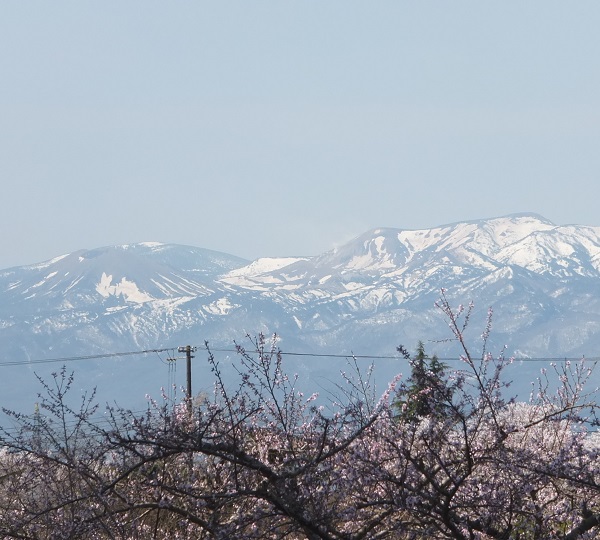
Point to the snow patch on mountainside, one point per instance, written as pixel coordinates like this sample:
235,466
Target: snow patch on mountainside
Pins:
46,264
43,281
127,289
222,306
261,274
262,266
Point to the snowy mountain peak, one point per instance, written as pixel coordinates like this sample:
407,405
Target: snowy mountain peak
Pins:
481,243
134,273
375,250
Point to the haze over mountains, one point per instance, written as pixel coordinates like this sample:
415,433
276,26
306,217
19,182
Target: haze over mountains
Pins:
366,297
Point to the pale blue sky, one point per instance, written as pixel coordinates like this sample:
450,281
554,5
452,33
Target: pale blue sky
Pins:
287,127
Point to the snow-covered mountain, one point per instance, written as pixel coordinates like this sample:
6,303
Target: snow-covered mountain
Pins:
542,281
366,297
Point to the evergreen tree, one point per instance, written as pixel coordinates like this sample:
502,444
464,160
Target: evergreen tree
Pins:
427,392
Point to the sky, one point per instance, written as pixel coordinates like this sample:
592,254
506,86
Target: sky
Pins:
282,128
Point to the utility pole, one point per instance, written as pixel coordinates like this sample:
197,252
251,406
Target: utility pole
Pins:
188,349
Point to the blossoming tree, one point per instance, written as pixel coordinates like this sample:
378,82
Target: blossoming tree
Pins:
262,460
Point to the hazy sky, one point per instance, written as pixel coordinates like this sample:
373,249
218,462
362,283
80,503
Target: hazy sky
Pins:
271,128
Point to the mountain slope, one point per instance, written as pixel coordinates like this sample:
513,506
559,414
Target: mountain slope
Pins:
548,275
366,297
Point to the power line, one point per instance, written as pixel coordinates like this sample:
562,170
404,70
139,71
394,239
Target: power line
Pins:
65,359
86,357
400,357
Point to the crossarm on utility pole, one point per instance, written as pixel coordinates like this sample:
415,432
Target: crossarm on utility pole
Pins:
188,358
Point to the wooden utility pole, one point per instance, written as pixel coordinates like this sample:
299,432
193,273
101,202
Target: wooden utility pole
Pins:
188,349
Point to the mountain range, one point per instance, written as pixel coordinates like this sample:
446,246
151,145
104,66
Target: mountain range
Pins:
365,297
